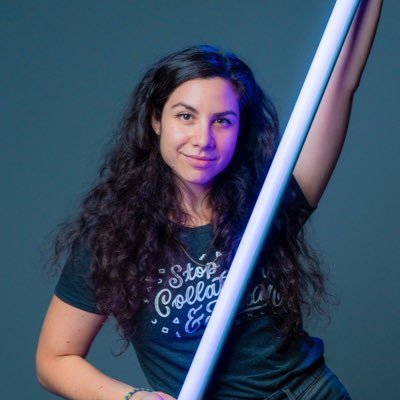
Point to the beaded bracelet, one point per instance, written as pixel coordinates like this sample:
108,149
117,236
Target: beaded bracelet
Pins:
135,390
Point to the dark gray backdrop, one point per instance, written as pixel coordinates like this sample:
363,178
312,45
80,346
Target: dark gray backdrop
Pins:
66,70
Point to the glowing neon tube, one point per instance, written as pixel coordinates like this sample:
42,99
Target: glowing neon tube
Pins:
268,200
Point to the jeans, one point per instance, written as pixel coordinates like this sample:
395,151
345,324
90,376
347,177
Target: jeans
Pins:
321,384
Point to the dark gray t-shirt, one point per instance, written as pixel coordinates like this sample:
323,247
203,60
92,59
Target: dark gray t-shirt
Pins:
175,313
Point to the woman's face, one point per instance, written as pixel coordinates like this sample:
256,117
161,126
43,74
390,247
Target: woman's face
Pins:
198,131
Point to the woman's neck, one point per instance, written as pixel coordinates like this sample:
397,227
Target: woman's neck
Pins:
197,218
196,207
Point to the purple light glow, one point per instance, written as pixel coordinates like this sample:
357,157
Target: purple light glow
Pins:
268,200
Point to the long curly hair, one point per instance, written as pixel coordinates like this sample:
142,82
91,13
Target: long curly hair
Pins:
127,221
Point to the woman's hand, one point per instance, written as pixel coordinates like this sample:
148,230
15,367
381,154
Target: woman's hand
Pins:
152,396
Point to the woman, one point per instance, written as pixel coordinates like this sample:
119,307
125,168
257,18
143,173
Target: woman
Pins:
153,239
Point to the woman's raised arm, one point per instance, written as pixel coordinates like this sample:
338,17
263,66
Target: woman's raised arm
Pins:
66,336
327,133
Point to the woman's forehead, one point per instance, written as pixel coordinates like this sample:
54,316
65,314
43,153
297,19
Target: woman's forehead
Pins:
214,93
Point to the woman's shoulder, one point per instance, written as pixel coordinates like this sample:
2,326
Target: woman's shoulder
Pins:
75,285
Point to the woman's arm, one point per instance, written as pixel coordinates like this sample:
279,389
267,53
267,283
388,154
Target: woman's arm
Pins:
66,336
327,133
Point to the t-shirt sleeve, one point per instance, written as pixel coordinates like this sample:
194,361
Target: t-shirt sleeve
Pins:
299,201
75,285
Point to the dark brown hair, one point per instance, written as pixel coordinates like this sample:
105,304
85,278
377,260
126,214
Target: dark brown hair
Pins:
125,219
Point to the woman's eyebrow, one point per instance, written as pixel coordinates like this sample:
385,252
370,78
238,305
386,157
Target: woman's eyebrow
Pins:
224,113
193,110
187,106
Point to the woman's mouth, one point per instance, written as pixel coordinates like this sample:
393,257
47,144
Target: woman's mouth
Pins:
200,161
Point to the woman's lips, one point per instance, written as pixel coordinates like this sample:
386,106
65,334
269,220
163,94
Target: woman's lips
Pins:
200,161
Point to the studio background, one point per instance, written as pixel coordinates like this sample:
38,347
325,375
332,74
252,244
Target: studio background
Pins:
66,71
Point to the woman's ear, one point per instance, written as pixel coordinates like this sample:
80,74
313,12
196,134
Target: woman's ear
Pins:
156,124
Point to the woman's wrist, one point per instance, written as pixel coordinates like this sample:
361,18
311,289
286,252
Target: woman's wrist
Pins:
132,392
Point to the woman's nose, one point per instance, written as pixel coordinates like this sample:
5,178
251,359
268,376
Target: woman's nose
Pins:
204,135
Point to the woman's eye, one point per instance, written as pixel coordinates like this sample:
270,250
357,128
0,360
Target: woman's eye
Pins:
185,116
223,121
